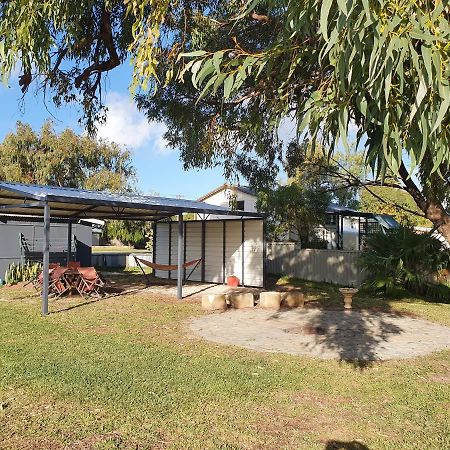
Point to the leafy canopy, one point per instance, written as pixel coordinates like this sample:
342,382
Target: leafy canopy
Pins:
64,159
395,202
384,66
329,65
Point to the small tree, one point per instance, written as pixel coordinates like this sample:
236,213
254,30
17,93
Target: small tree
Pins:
294,207
129,232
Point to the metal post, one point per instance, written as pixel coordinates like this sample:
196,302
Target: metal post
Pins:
69,241
359,232
180,257
46,259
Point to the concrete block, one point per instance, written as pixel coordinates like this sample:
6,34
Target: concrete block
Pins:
293,299
239,301
271,300
212,302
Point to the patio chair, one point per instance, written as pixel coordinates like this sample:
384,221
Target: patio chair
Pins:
57,285
73,264
38,281
90,282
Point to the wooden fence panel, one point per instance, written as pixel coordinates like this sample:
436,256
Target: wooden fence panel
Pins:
333,266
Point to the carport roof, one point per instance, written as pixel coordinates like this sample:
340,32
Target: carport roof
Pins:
29,199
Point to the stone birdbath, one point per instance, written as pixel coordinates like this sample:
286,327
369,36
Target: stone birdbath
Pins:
348,293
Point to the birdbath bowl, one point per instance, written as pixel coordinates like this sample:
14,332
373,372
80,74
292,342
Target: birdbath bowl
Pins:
348,294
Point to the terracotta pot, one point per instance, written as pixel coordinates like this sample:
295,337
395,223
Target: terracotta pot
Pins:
233,281
239,301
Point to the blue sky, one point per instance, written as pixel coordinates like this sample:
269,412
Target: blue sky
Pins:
159,169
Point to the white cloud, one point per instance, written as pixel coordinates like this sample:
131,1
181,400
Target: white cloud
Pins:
127,126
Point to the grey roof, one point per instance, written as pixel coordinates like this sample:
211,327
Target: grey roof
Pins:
28,199
333,208
386,221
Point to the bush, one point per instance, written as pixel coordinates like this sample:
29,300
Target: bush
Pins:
16,273
402,258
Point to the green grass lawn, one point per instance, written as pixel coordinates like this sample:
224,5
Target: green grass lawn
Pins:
125,373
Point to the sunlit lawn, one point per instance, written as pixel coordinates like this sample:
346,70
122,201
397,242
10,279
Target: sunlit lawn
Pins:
126,373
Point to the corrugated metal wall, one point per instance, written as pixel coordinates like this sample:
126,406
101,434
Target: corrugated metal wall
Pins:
332,266
34,234
242,250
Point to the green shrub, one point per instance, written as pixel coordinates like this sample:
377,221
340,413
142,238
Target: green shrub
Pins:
402,258
16,273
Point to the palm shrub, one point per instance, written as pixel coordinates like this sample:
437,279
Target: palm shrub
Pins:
402,258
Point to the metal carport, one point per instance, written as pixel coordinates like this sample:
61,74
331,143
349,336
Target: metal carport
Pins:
74,204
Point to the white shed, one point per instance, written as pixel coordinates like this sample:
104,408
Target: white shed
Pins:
226,248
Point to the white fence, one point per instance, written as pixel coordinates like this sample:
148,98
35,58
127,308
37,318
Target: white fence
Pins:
332,266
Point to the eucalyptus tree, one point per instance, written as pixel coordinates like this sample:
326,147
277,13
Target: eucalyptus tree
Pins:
225,74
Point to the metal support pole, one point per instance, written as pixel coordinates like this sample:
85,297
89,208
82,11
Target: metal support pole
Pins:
180,256
46,259
69,241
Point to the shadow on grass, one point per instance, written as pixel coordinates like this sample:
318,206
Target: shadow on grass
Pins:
345,445
112,292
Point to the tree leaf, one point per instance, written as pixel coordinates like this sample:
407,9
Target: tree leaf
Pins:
324,13
228,85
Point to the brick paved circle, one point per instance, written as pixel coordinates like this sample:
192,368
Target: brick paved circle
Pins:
328,334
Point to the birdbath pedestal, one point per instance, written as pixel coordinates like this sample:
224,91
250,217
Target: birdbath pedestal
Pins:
348,294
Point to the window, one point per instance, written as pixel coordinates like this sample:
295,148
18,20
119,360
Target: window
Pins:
330,219
240,205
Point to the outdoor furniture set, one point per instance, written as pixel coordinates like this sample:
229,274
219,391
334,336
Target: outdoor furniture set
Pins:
67,279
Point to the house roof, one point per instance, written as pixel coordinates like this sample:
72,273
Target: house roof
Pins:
29,199
245,189
333,208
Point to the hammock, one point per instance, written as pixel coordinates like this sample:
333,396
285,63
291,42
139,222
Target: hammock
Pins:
166,267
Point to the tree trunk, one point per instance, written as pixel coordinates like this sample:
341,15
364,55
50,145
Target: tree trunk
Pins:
440,219
433,210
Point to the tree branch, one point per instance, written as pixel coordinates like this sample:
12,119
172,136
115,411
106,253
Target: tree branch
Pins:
106,36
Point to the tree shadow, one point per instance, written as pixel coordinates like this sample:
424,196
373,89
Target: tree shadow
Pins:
356,336
345,445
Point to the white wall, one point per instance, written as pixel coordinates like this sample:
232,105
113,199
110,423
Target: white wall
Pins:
251,250
34,233
225,196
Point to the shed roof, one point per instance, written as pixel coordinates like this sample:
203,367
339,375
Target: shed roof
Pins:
29,199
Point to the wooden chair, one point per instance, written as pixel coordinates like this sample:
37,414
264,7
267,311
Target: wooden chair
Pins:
57,285
74,264
90,282
39,281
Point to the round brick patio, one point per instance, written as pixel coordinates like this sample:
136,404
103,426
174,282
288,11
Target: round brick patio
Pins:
329,334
